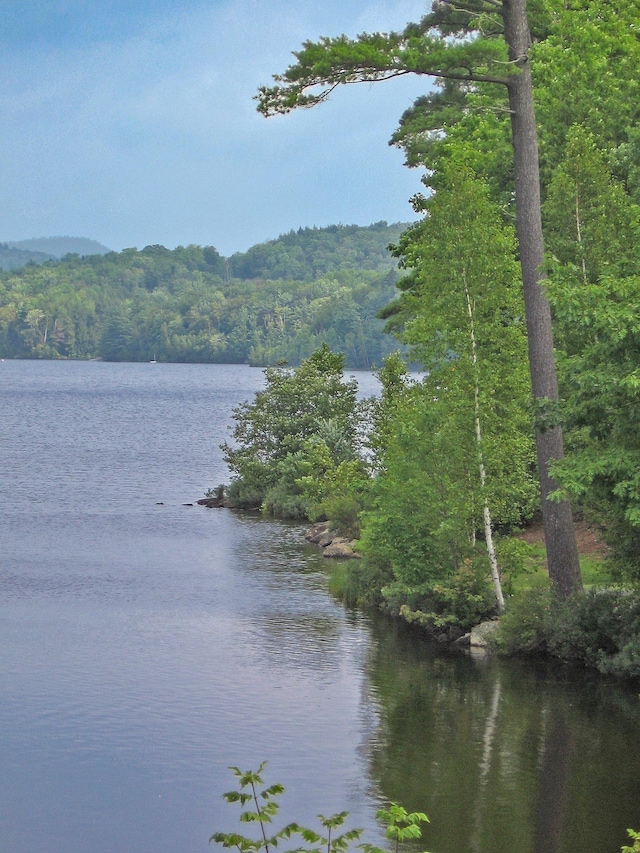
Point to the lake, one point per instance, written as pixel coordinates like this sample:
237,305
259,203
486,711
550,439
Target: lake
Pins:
146,645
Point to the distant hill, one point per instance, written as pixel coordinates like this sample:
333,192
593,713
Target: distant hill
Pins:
308,253
58,247
11,257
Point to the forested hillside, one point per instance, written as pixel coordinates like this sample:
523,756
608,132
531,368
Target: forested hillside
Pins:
278,301
308,253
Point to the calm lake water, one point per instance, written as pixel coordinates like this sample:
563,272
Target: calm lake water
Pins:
146,645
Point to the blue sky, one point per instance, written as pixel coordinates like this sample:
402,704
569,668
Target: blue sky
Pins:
133,123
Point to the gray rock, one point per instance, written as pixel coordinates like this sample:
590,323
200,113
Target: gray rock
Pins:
454,633
483,635
462,642
315,532
341,548
326,538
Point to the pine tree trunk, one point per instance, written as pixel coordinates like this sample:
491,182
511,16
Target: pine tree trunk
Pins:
562,552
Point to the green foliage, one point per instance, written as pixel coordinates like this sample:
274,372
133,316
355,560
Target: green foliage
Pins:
360,582
343,512
464,599
423,48
216,493
590,49
311,253
401,826
386,410
523,628
600,627
335,488
467,327
457,444
589,218
594,288
514,558
264,806
418,523
635,837
426,505
280,502
299,435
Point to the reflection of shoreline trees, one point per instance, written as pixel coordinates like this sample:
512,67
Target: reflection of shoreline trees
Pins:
485,764
502,756
554,779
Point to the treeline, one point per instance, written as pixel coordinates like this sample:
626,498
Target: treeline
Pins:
277,302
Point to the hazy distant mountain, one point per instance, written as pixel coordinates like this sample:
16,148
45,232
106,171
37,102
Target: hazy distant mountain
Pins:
12,258
58,247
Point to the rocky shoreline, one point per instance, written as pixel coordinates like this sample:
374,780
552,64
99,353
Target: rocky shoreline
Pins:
332,544
479,639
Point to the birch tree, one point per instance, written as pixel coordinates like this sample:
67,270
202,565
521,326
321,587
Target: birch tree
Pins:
467,329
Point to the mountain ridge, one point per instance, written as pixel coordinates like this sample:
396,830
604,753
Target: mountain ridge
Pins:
60,246
299,252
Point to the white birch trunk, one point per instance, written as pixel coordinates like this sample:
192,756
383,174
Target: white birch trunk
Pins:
486,512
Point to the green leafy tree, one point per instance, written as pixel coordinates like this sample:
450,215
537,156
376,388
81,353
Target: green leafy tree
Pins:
590,221
467,330
184,305
472,43
591,49
422,519
594,287
275,433
460,439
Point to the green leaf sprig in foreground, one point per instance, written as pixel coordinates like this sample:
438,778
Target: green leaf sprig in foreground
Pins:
262,807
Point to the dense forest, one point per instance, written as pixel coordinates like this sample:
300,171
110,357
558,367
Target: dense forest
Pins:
435,477
276,302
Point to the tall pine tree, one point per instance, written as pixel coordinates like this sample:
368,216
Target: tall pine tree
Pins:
470,44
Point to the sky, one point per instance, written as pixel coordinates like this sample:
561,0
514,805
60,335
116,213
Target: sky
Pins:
135,124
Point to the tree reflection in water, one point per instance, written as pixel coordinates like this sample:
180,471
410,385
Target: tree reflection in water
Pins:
555,774
503,755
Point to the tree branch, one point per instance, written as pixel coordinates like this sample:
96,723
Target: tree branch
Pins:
471,7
